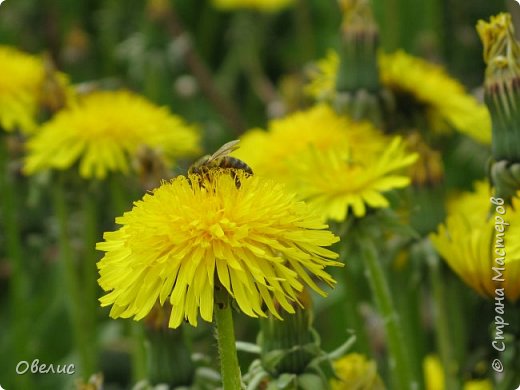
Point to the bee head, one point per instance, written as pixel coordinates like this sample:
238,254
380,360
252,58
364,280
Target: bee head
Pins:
198,165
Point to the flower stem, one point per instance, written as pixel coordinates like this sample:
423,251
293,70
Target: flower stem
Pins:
351,304
399,359
225,334
76,303
89,271
18,282
442,323
122,202
139,366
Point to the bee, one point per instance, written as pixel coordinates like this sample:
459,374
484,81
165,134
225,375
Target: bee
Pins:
221,159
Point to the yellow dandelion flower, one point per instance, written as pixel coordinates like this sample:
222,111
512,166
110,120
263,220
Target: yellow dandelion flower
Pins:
322,77
259,5
429,168
335,182
469,243
434,376
433,373
20,82
320,127
103,131
330,162
444,99
355,371
256,241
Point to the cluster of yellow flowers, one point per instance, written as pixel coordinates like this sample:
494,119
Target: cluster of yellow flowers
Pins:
422,81
337,166
102,131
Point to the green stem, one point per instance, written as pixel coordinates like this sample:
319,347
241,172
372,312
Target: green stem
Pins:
442,323
399,359
119,197
351,306
249,31
304,28
76,303
391,31
122,202
89,271
225,334
139,359
18,282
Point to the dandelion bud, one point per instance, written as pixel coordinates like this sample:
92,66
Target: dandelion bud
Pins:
169,358
358,77
289,345
360,38
502,94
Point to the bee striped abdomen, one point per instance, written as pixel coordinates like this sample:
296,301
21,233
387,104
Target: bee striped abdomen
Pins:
235,163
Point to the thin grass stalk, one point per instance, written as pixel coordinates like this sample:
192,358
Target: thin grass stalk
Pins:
121,202
352,310
389,18
89,270
398,355
305,31
72,282
442,324
139,358
406,288
18,282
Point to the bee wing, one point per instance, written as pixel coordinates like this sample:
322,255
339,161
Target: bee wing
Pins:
225,150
